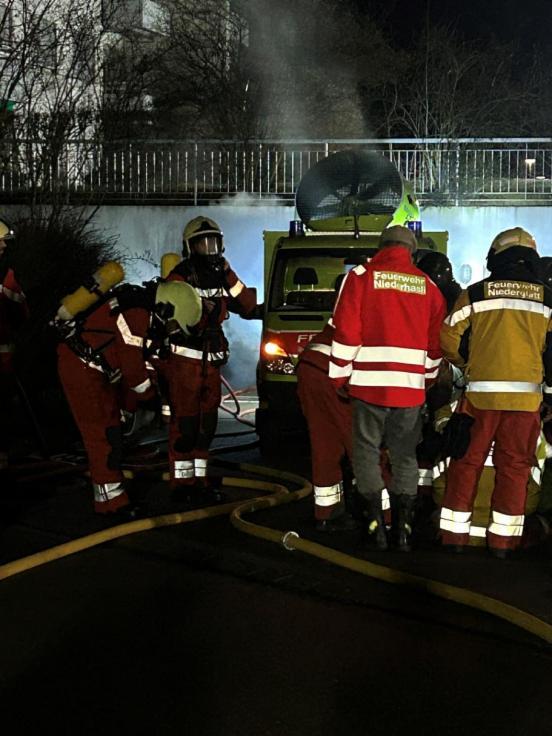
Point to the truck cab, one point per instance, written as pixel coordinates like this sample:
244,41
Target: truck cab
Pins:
304,267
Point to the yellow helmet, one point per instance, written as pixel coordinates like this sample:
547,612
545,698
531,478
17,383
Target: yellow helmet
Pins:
200,227
510,238
6,230
178,302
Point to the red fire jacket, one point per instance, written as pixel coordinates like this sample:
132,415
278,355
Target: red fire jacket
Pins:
387,319
220,294
116,343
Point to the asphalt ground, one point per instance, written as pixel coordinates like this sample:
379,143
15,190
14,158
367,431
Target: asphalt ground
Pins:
200,629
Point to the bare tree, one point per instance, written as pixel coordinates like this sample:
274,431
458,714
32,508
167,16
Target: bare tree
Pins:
54,67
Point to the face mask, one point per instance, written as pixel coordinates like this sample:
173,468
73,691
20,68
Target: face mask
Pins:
207,245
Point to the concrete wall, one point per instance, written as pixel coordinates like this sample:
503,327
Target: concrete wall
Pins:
146,232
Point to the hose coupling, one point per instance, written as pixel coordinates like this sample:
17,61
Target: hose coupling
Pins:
286,538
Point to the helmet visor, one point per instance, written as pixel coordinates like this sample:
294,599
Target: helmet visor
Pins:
207,245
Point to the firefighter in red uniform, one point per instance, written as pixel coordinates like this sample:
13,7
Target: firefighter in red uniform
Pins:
386,362
329,419
500,334
13,312
103,370
192,370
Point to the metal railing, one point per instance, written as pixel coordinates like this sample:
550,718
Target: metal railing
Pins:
443,172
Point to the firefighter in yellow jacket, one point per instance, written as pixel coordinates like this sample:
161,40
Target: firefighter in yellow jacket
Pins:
499,334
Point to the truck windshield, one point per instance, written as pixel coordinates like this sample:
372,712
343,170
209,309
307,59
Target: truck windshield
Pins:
307,280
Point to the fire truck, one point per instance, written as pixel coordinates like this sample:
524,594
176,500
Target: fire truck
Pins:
343,202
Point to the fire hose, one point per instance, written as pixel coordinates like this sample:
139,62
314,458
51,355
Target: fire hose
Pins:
279,494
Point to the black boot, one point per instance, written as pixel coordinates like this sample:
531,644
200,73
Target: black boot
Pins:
376,524
402,520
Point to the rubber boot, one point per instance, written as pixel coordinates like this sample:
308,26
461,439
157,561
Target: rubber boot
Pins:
402,520
376,524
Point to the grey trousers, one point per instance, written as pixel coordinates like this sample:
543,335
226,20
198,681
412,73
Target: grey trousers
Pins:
399,430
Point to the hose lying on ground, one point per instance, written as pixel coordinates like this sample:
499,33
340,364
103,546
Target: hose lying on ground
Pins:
291,541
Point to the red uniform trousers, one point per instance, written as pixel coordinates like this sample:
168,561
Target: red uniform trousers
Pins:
194,398
95,404
515,434
329,419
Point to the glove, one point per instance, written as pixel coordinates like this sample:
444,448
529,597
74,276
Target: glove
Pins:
139,421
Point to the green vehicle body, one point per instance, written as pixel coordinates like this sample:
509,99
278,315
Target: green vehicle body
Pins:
300,276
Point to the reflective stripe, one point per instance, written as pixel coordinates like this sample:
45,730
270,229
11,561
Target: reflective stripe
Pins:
504,525
14,296
386,354
7,348
359,270
142,387
89,364
330,321
433,363
166,410
196,354
388,378
432,374
200,467
440,468
503,387
183,469
489,460
385,500
425,476
319,348
546,389
458,316
536,474
478,531
107,491
457,522
327,495
338,371
344,352
209,293
127,335
237,289
522,305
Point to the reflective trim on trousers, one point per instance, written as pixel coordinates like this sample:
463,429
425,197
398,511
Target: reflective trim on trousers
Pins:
166,410
327,495
425,476
200,467
385,500
504,525
183,468
478,531
107,491
457,522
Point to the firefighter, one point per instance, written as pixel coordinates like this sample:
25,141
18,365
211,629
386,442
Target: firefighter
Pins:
102,362
329,420
192,370
13,312
385,364
439,269
499,334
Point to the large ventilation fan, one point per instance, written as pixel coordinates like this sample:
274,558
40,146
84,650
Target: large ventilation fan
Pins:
349,184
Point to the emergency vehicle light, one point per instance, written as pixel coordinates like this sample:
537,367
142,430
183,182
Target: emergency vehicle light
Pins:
273,349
